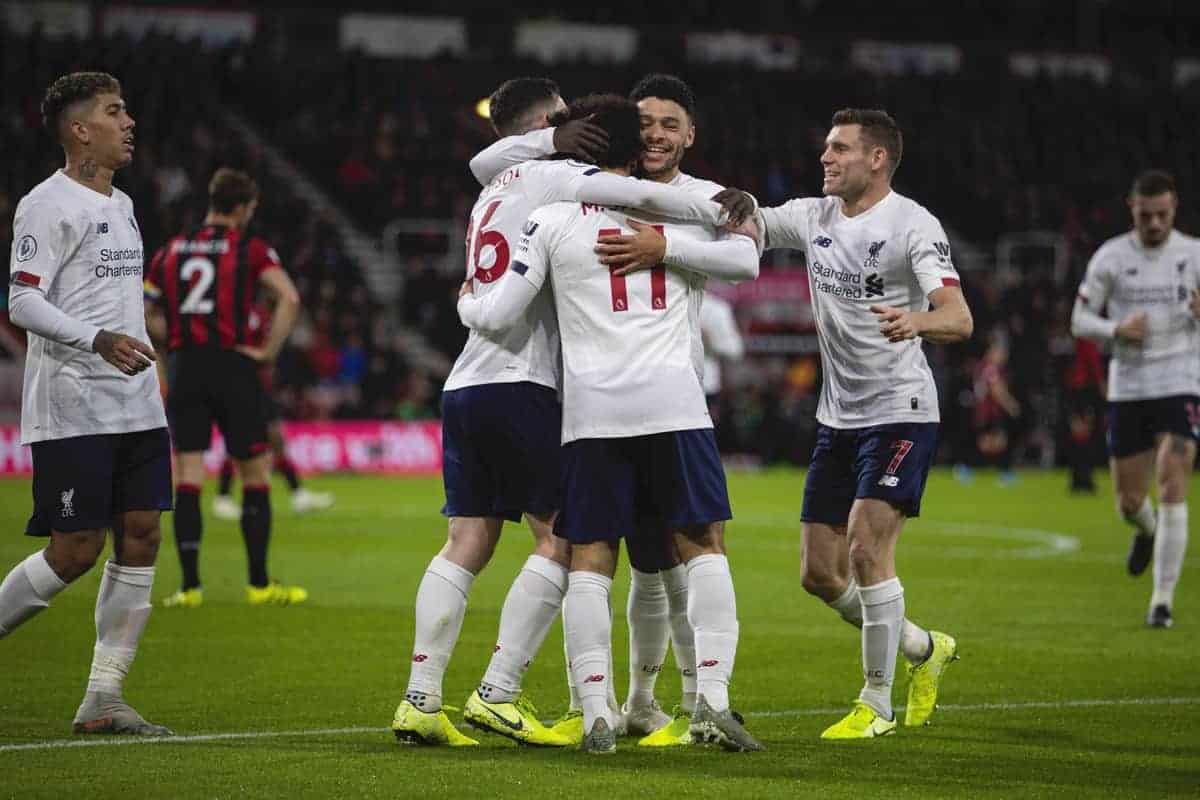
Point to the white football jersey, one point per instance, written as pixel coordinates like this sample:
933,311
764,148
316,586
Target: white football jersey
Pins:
627,342
1127,278
529,351
703,188
83,252
895,254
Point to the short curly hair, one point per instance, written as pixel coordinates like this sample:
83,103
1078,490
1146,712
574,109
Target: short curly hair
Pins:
72,88
618,116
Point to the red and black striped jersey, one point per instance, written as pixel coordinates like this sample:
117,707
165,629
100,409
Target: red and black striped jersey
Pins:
207,282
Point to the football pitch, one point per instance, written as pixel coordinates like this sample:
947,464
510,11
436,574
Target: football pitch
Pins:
1061,691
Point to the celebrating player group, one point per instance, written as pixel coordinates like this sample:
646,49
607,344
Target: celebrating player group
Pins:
576,405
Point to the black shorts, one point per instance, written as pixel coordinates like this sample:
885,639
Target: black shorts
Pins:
501,451
886,462
83,482
210,385
1133,425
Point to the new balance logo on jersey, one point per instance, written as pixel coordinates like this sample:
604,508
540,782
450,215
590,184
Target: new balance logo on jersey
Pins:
872,261
68,507
1131,271
101,227
890,481
529,228
822,241
874,285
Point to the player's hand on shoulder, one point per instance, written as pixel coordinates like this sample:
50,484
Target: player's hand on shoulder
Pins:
641,250
738,206
124,352
895,324
582,138
1132,328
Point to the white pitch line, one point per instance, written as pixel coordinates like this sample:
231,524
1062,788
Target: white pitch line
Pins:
116,741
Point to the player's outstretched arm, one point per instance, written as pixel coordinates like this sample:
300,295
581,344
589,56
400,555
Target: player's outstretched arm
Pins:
608,189
948,320
733,259
500,309
783,226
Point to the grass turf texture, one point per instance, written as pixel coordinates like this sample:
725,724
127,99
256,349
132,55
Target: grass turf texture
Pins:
1038,623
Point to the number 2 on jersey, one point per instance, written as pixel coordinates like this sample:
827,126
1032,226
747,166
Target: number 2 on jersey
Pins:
482,238
620,294
197,300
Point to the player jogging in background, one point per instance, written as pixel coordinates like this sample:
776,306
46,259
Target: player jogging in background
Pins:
637,438
207,280
301,498
90,408
882,281
500,432
1149,281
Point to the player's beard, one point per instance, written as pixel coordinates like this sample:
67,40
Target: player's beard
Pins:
669,165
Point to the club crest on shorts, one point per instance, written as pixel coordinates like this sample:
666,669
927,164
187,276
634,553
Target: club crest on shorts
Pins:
68,507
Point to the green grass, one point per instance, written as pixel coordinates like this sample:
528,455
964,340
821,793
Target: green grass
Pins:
1034,625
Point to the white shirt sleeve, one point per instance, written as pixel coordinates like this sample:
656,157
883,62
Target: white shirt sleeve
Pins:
502,307
719,328
929,254
606,189
785,225
42,236
1086,320
510,151
733,258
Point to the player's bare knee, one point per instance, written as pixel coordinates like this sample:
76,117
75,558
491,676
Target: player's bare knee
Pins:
470,543
72,555
822,583
699,540
1129,502
863,557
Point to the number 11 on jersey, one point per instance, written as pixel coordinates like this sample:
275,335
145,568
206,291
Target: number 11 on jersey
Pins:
620,294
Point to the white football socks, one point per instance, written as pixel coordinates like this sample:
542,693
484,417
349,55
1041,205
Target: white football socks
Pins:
712,612
1143,518
27,590
683,638
649,633
587,618
915,641
883,614
440,608
122,609
532,604
1170,544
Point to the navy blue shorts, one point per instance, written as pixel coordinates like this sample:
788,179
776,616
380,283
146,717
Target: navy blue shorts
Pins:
885,462
618,487
501,451
1133,425
83,482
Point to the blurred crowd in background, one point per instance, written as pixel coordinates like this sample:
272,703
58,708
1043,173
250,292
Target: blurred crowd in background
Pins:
389,139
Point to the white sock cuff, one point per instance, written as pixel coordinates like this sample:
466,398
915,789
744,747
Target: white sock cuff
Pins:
41,576
590,582
880,593
647,580
849,598
131,576
549,569
1173,512
675,578
708,564
458,577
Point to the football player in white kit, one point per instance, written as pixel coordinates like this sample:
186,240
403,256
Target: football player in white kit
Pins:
877,262
91,408
637,438
658,592
1149,280
501,427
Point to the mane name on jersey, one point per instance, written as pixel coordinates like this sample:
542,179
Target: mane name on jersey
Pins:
212,246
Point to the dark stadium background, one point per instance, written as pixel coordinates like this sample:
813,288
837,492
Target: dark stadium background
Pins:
1024,121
